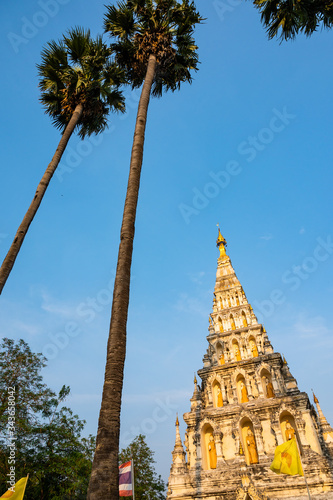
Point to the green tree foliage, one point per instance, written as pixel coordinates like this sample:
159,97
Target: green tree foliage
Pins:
148,486
287,18
48,444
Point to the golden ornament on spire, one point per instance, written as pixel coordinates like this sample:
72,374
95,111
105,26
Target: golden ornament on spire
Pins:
177,421
195,379
315,399
221,244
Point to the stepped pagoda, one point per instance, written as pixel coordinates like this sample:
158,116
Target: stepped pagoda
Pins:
246,404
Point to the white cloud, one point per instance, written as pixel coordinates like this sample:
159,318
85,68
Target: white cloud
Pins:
62,309
191,305
197,277
267,237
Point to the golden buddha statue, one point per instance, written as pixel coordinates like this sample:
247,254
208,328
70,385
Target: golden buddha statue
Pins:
254,349
251,447
237,353
212,453
290,431
269,388
219,399
244,396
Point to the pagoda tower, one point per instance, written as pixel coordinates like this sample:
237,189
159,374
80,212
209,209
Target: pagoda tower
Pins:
247,403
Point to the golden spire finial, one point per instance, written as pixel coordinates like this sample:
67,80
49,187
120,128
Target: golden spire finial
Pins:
315,399
221,243
177,421
195,379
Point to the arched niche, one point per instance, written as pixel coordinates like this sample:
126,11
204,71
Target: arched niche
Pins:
236,350
220,323
289,428
220,354
217,395
267,385
229,301
253,347
232,322
244,320
208,448
241,389
249,442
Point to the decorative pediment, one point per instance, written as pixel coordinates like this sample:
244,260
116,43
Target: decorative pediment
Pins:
248,491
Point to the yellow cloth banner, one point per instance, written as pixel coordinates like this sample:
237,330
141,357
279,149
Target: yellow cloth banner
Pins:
286,459
17,491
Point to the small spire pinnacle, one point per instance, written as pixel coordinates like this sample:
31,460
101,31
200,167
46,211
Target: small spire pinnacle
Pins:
195,379
221,243
177,421
315,399
322,418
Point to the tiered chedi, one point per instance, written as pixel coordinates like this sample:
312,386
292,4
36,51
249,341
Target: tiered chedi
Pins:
247,404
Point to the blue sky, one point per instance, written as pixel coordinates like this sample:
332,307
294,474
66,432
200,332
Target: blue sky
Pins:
247,145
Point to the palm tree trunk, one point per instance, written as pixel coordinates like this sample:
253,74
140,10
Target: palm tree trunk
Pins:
10,258
104,481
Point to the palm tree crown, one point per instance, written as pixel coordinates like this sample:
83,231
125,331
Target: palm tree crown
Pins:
287,18
79,70
79,84
162,28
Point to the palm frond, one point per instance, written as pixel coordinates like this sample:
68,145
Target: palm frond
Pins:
160,27
120,22
77,43
284,19
79,69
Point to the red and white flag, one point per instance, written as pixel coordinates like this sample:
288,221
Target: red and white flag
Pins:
125,479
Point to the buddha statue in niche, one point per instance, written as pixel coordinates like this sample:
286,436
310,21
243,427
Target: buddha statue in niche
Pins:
221,359
251,447
254,388
243,390
237,352
289,431
269,388
212,452
254,350
219,398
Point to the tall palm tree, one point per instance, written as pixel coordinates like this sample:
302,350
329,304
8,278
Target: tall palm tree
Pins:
287,18
80,85
153,43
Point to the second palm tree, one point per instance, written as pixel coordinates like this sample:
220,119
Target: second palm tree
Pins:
154,45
